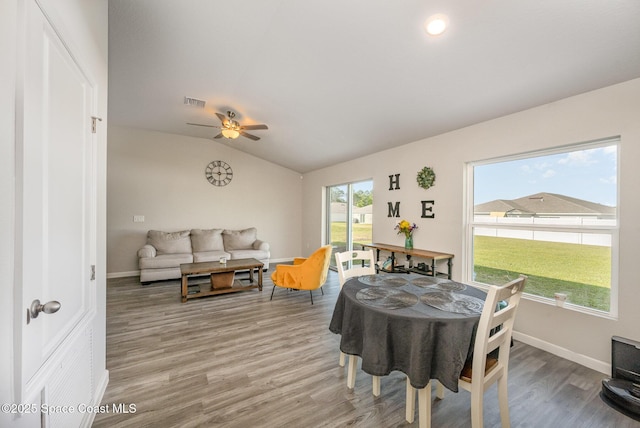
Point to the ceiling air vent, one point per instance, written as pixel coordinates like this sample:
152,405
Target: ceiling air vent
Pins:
194,102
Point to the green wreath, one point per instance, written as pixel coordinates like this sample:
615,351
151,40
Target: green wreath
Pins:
426,177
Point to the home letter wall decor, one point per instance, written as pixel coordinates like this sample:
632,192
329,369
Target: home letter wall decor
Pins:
394,184
429,208
394,210
394,180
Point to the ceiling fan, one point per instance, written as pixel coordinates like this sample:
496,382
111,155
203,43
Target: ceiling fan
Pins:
230,128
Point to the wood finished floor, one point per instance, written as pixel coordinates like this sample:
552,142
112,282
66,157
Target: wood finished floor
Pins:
240,360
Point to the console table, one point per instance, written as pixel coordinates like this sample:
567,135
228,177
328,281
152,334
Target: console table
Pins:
433,256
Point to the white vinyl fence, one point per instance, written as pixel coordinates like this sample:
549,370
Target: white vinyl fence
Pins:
584,238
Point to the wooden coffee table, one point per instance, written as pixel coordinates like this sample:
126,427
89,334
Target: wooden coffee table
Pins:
222,277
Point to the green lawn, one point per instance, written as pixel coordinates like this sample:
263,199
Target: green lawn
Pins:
583,272
362,233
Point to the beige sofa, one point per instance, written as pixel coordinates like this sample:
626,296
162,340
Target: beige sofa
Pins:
161,257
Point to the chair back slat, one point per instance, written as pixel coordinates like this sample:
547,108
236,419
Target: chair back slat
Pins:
496,340
502,315
488,336
348,258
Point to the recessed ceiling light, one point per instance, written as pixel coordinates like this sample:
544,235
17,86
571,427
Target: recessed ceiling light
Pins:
436,24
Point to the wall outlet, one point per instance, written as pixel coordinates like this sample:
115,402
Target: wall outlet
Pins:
138,219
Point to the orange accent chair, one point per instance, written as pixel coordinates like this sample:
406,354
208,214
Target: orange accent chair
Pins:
305,273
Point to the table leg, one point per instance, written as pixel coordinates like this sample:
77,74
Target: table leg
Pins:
424,406
433,267
185,288
449,265
439,390
251,275
351,371
410,405
260,278
375,385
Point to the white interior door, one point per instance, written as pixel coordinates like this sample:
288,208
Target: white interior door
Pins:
55,168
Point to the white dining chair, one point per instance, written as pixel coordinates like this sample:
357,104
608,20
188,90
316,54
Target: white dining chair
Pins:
350,264
494,332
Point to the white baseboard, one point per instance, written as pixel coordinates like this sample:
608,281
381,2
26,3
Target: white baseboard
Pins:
285,260
123,274
581,359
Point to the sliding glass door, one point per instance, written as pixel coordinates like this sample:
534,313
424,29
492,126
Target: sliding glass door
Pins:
349,216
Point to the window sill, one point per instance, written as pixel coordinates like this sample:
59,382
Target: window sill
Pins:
566,306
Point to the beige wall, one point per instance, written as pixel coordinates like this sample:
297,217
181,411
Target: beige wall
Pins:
161,176
603,113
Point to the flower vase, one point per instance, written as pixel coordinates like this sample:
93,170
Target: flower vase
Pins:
408,242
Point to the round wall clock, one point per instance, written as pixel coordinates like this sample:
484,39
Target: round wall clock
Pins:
218,173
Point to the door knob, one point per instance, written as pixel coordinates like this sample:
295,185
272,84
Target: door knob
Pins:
36,307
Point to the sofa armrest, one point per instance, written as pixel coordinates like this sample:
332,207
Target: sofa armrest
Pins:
260,245
147,251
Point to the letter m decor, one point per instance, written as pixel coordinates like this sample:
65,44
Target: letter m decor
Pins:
394,210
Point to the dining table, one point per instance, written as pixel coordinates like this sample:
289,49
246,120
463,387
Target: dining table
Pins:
420,325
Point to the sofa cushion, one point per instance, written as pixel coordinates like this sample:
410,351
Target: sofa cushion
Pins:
206,240
239,239
170,242
248,254
165,261
210,256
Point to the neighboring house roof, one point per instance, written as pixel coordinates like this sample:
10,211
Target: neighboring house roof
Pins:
541,204
500,205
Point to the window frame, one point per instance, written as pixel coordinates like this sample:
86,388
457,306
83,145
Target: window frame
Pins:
613,231
349,215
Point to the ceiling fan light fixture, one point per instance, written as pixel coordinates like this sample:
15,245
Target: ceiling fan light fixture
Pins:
436,24
231,134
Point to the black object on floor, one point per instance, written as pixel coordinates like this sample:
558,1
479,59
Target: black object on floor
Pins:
622,390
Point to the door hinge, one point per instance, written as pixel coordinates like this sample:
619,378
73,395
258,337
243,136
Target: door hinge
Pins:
93,273
94,119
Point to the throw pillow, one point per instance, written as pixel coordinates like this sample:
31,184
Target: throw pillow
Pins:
169,242
206,240
239,239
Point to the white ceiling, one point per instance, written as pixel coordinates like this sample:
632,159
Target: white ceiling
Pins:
339,79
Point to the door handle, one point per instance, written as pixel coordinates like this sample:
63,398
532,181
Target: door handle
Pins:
36,307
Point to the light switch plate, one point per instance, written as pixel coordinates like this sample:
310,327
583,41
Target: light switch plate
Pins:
138,219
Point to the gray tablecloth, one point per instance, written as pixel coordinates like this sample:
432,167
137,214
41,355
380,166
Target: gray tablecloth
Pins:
421,326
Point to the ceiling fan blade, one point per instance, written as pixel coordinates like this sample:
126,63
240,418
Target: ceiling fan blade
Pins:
221,116
252,137
250,127
219,135
200,124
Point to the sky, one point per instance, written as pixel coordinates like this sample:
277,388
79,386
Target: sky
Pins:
590,175
363,185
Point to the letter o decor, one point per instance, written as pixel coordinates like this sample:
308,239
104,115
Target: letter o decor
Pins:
426,177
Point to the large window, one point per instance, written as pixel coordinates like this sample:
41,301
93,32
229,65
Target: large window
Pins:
552,216
349,216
